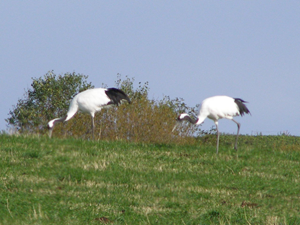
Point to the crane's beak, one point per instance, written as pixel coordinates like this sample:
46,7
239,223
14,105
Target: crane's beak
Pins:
50,131
177,123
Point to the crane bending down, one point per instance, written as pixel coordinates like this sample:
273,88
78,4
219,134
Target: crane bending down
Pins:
216,108
91,101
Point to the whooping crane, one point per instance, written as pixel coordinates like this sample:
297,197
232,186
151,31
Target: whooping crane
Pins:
91,101
218,107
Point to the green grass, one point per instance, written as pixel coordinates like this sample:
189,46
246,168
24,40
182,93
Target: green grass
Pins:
68,181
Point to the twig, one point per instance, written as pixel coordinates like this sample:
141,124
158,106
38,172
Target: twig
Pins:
7,206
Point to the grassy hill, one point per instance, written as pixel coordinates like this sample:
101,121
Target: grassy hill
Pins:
68,181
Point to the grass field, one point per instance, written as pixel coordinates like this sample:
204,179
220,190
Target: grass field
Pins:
68,181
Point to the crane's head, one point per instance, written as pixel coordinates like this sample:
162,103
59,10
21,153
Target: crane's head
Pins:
51,124
179,119
50,127
183,116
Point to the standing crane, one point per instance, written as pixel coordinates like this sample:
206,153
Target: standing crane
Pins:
91,101
218,107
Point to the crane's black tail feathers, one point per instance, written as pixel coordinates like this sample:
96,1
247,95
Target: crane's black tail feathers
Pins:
242,107
116,95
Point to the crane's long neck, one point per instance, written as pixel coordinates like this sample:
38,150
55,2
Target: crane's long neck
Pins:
56,120
191,120
187,117
71,112
200,119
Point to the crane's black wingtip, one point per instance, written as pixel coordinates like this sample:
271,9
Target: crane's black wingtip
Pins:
242,107
116,95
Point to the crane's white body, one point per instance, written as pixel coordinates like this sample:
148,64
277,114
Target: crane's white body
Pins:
91,101
218,107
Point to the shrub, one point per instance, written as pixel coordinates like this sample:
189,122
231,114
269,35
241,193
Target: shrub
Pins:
144,120
49,98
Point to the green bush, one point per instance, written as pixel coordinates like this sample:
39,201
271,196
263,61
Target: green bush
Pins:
144,120
49,98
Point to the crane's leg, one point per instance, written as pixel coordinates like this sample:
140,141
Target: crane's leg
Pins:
218,136
237,135
93,127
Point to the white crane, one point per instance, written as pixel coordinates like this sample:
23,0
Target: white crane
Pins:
91,101
218,107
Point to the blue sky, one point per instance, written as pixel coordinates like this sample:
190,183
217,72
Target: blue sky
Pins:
187,49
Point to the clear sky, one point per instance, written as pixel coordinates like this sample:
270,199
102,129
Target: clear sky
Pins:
188,49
